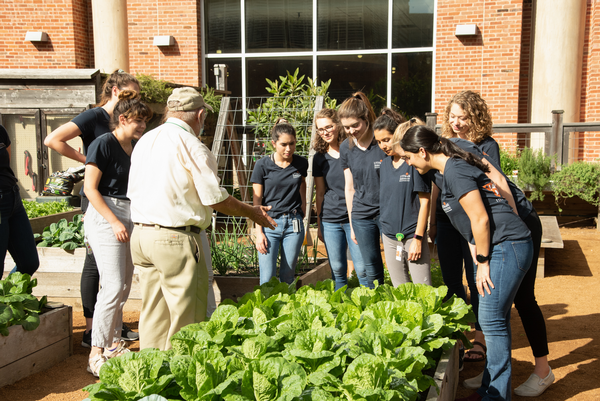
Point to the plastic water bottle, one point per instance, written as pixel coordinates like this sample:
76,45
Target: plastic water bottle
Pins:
399,247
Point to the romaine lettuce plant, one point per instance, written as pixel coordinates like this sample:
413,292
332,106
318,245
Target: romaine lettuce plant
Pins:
315,343
17,305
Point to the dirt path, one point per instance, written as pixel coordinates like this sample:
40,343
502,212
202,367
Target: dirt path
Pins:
568,296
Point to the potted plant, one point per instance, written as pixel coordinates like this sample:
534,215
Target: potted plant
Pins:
579,179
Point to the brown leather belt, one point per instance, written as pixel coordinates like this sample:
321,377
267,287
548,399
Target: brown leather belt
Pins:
194,229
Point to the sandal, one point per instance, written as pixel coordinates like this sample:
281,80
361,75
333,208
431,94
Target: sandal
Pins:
479,355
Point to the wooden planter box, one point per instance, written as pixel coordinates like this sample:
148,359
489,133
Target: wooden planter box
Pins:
23,353
232,287
446,377
39,223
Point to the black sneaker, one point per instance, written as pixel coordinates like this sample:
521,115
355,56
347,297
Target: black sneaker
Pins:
87,339
128,335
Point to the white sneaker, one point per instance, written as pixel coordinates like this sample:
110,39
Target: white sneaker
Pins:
95,363
535,386
474,383
120,350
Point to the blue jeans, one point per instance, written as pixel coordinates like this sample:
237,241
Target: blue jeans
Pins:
284,237
16,236
368,235
509,264
338,238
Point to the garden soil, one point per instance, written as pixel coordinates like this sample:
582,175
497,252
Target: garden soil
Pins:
568,295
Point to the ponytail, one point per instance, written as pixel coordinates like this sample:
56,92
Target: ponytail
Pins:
120,79
388,120
281,127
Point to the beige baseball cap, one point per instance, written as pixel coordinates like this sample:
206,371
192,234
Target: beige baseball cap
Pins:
186,99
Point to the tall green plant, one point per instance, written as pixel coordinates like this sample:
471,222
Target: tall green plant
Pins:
534,169
509,162
578,179
294,100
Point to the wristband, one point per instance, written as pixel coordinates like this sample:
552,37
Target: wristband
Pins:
419,237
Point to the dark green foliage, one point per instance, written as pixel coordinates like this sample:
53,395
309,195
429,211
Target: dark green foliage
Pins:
578,179
534,170
17,305
65,235
509,162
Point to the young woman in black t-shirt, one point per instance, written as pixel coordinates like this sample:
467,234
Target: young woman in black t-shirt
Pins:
89,125
279,181
497,236
403,206
108,223
332,212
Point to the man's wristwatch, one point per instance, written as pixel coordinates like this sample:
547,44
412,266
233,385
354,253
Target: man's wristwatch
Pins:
482,259
419,237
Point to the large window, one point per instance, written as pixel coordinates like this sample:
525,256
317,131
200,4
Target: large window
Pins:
384,48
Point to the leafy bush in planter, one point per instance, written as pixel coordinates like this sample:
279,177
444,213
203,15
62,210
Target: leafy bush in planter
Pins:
65,235
35,209
509,162
534,170
17,305
314,343
578,179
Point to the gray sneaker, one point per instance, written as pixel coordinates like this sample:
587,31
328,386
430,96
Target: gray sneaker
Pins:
535,385
128,335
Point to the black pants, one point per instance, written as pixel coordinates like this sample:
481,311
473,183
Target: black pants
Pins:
525,302
90,278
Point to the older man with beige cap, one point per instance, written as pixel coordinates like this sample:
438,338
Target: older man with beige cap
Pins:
173,188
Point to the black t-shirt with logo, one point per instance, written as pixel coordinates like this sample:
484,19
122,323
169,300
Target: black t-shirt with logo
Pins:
399,198
524,207
281,186
7,177
364,166
461,178
92,123
333,209
490,147
106,152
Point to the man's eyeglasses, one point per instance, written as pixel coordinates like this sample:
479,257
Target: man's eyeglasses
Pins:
325,129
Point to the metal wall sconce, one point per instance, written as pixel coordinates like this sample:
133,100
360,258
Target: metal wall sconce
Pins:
466,30
36,36
164,41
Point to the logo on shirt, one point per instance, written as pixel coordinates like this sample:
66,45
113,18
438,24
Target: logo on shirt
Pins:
446,207
405,178
492,188
376,165
296,175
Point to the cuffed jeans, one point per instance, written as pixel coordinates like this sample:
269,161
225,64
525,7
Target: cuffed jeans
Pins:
367,233
16,235
338,238
508,265
115,267
282,237
420,269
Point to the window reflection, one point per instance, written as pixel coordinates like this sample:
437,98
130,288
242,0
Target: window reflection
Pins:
412,23
348,74
259,69
278,25
411,83
223,21
352,24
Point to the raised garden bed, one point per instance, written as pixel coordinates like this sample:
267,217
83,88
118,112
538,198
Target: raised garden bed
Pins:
23,353
39,223
446,377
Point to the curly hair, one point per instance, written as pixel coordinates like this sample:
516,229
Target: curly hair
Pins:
129,106
319,144
480,119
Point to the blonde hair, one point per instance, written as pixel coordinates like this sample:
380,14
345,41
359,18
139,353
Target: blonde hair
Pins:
401,130
480,119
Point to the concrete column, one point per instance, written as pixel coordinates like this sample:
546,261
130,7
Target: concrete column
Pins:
559,28
111,41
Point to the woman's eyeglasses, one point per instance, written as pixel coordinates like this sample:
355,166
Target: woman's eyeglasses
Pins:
325,129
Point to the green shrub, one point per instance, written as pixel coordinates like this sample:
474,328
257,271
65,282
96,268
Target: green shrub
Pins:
534,170
578,179
509,162
65,235
35,209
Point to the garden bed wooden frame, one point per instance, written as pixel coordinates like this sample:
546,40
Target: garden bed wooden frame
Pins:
23,353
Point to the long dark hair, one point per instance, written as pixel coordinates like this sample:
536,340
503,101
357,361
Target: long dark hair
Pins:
129,106
388,120
120,79
421,136
282,126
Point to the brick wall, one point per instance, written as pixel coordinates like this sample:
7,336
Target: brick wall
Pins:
65,22
488,62
180,63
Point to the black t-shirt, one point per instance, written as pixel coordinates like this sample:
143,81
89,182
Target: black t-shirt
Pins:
364,166
7,177
524,207
399,198
281,186
461,178
106,152
333,209
490,147
92,123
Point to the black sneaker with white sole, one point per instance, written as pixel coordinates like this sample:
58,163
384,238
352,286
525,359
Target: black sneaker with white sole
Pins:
128,335
87,339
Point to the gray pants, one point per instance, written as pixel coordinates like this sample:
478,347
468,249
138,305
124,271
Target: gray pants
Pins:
115,267
419,269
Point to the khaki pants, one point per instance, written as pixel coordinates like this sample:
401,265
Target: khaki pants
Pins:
174,282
